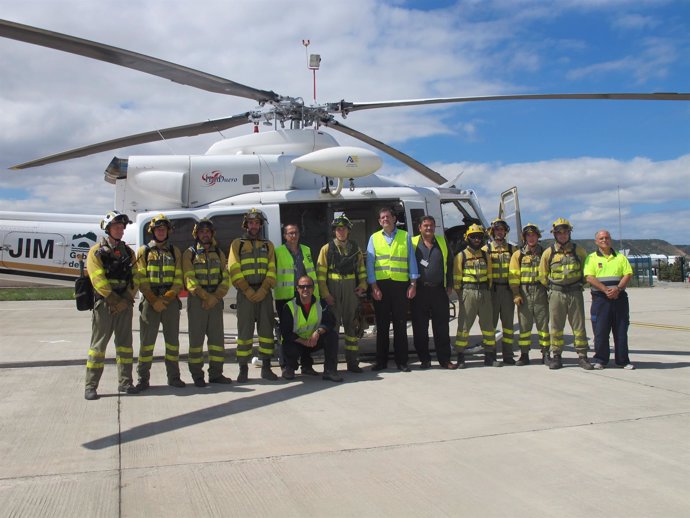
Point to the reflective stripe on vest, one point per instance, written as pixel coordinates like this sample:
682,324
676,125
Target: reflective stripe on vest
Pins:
302,327
500,262
391,260
475,269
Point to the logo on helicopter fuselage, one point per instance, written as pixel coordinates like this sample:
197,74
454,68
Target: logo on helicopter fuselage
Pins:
214,177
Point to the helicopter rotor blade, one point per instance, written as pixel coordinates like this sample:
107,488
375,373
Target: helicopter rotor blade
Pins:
399,155
188,130
126,58
347,107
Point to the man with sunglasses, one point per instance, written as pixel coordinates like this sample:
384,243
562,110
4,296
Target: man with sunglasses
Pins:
306,326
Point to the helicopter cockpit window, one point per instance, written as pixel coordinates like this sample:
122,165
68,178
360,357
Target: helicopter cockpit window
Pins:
181,236
457,216
416,216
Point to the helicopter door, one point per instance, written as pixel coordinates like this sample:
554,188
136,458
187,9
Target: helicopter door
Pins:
509,210
37,252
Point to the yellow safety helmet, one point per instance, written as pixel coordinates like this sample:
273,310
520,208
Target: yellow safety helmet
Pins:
342,221
474,229
159,221
114,216
203,223
530,227
559,223
253,214
497,223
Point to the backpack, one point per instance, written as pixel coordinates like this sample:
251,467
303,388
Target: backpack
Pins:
83,290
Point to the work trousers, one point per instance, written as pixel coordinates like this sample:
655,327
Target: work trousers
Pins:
248,314
431,302
568,305
293,351
391,308
344,310
149,322
503,307
534,310
610,316
205,324
475,303
103,326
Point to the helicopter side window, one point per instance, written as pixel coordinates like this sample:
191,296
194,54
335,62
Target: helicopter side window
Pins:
250,179
228,227
416,216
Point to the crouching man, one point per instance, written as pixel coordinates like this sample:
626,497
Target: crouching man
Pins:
307,325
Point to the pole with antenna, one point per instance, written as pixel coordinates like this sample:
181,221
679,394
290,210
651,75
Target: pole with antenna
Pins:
620,221
313,63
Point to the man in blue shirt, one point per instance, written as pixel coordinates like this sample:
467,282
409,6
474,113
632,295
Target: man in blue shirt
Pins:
392,273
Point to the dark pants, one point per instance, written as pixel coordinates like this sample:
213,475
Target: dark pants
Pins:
610,316
431,302
391,308
293,351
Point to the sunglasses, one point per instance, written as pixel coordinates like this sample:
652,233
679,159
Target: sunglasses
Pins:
304,286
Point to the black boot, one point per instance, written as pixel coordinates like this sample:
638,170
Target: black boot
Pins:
266,372
461,361
353,366
523,360
243,376
556,362
545,356
507,351
490,359
584,362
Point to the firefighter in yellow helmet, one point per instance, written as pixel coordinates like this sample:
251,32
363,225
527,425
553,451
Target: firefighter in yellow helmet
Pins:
205,270
561,271
110,263
500,251
251,263
159,276
342,278
472,282
529,294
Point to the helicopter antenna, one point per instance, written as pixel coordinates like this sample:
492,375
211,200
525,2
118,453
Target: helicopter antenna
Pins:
313,63
172,150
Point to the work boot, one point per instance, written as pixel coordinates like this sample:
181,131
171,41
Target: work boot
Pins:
523,360
508,358
143,385
173,382
584,363
461,361
128,389
308,370
556,362
288,373
243,376
90,394
545,356
266,372
199,382
331,376
353,366
221,380
490,359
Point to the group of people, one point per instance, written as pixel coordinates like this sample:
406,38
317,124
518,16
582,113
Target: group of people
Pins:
313,299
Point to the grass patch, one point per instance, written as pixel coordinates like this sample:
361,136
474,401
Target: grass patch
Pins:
57,293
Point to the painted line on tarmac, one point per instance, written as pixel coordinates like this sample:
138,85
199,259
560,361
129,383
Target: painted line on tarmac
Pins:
661,326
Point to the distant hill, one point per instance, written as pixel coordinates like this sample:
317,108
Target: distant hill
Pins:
636,246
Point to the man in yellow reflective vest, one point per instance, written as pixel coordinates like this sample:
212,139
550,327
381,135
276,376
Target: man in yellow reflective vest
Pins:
342,279
110,263
206,276
530,295
472,282
306,326
159,275
251,263
293,260
561,271
392,274
434,286
499,251
608,272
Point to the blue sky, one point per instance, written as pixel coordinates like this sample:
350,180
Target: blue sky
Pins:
568,158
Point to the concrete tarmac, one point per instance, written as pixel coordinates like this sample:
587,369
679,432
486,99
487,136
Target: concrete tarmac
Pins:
489,442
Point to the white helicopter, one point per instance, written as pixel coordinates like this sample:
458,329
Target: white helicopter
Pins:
294,173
